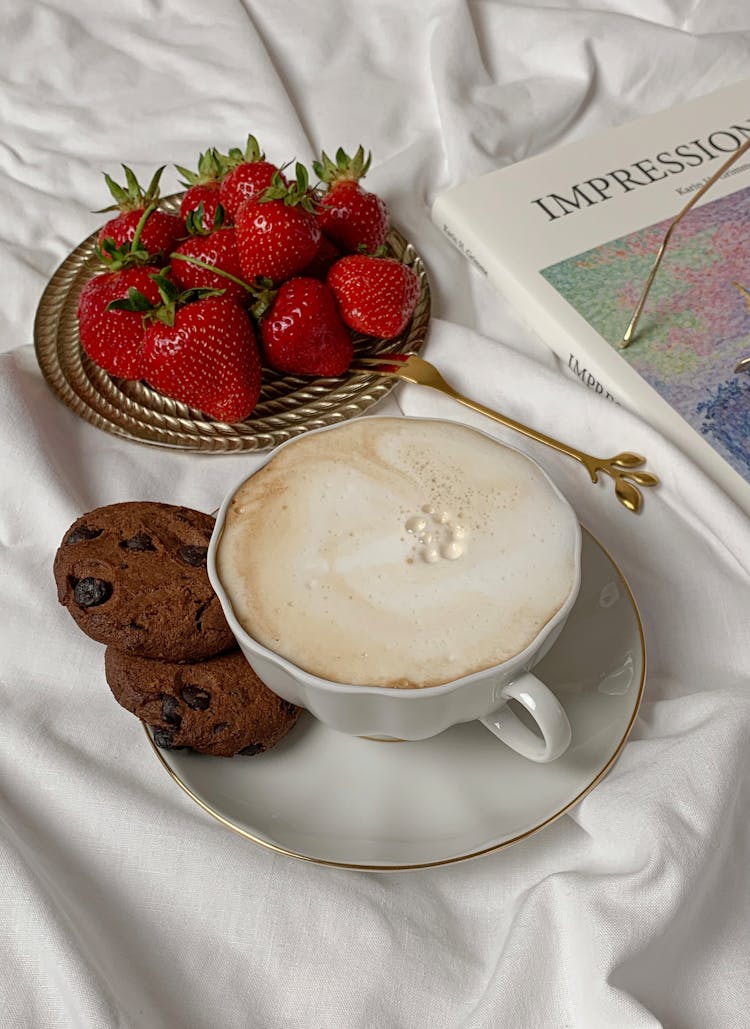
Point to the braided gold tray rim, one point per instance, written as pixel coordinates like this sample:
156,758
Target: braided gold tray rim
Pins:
288,405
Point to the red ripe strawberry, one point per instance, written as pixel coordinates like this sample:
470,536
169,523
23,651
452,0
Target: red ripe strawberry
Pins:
327,253
303,333
202,202
350,215
207,358
162,230
202,191
218,249
114,338
248,175
277,233
376,295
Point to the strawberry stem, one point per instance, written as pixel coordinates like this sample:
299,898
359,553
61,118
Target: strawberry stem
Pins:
212,268
148,211
264,295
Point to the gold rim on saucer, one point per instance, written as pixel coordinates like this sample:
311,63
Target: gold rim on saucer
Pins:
288,406
601,772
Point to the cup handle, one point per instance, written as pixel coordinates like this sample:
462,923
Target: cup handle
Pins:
546,711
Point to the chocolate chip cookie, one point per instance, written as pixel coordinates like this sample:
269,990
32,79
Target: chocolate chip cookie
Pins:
133,576
218,707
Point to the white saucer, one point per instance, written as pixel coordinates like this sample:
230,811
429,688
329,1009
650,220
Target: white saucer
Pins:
333,799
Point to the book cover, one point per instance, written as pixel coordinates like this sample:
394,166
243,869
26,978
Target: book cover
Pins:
570,237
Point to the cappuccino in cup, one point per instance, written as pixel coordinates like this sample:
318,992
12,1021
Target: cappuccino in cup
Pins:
397,552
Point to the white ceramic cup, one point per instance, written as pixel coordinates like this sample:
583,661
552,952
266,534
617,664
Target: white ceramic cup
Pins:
414,714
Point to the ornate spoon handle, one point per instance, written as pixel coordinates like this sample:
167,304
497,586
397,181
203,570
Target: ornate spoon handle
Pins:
622,468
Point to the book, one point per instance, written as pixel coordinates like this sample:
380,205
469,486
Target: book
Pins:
570,236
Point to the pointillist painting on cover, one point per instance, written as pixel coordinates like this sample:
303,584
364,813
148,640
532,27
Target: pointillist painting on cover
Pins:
695,326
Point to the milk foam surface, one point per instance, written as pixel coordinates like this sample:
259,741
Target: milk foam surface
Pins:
397,552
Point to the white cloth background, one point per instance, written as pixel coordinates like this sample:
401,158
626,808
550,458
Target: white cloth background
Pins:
122,904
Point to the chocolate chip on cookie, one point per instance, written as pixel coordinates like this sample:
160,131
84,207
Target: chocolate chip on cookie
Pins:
90,592
83,532
218,706
141,541
193,556
133,576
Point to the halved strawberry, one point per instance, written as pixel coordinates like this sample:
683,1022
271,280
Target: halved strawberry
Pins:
303,333
277,233
376,295
162,231
351,216
205,354
246,174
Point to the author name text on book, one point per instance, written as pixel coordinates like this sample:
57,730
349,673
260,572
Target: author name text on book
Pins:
459,243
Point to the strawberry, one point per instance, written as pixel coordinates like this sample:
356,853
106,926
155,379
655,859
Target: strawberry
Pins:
217,249
376,295
277,233
201,202
351,216
303,333
202,191
248,175
111,307
158,237
111,337
327,253
205,354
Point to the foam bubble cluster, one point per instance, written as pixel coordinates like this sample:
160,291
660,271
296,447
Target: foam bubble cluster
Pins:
437,535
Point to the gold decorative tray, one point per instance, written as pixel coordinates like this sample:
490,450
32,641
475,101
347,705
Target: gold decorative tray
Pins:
288,406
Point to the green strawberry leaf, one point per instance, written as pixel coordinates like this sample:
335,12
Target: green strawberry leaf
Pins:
252,150
210,169
134,188
235,156
152,193
189,177
291,194
132,196
265,293
344,168
135,301
194,221
119,194
129,254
